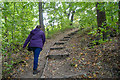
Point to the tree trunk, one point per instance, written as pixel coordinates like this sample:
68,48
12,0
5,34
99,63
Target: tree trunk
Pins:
13,24
119,15
119,26
6,33
111,13
72,17
68,15
41,16
101,18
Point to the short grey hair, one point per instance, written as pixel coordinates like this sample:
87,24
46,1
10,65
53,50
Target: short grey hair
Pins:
38,26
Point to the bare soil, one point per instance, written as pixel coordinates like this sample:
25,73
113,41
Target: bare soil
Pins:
102,61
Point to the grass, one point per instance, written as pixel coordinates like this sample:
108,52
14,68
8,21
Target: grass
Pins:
50,33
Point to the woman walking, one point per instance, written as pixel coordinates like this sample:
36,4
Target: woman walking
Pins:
36,40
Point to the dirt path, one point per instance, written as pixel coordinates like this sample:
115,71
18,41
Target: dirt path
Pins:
58,51
74,59
68,55
58,65
27,73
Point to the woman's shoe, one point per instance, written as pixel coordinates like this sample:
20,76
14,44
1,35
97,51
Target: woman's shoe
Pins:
36,71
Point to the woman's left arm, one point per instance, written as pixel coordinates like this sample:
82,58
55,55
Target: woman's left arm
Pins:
43,38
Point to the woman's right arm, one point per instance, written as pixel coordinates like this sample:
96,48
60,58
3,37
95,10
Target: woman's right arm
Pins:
27,40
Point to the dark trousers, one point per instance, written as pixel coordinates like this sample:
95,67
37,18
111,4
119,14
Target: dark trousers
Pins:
36,51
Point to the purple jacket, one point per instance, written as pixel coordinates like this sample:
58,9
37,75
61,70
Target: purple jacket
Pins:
36,38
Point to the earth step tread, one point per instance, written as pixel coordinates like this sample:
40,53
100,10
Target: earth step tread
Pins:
60,52
77,30
58,56
64,39
61,41
57,46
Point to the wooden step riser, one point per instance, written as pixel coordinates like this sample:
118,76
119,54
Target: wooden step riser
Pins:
73,33
59,43
67,37
59,48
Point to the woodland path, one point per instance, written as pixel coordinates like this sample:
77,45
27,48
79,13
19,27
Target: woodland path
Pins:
68,55
50,44
73,58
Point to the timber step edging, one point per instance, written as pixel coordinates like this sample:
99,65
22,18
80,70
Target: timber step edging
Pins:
59,43
56,48
67,37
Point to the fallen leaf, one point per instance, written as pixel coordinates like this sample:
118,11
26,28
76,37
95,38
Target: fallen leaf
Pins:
100,56
74,59
86,53
81,53
23,65
102,73
96,58
83,58
94,64
82,76
88,62
94,75
76,65
79,68
68,58
79,61
99,67
27,58
26,65
89,76
96,54
8,77
97,72
22,70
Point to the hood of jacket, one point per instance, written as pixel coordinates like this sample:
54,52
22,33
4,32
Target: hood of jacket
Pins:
34,31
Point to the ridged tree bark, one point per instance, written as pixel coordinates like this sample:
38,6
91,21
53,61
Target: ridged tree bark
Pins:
69,11
6,32
13,24
119,27
119,15
101,18
41,16
72,17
